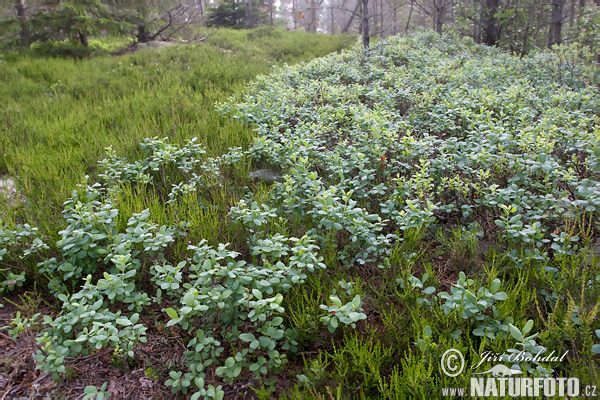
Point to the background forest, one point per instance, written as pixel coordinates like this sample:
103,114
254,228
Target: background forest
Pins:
517,25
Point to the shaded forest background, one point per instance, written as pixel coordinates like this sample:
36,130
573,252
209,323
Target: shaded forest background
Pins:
517,25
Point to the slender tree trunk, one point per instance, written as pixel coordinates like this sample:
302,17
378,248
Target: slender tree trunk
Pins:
438,17
395,20
313,17
580,12
555,35
526,31
490,22
572,14
143,35
412,4
332,17
381,22
375,15
295,13
478,23
83,38
365,23
24,33
349,23
249,14
271,12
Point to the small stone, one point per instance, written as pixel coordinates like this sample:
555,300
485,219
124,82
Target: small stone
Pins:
265,175
155,44
8,189
7,185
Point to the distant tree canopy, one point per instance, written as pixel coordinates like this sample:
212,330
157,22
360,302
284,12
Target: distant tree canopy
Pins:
234,14
77,20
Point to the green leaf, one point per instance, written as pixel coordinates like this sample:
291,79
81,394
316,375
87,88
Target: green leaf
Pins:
247,337
470,296
199,381
515,332
496,283
356,302
123,321
500,296
336,301
528,327
429,290
354,316
257,293
264,341
515,219
172,313
90,389
254,367
189,299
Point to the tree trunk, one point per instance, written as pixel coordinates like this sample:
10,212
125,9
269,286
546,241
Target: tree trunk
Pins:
412,4
490,22
478,23
365,23
143,36
313,17
580,14
83,38
295,13
349,23
271,12
395,17
572,14
249,14
556,22
332,17
375,15
24,33
438,17
381,21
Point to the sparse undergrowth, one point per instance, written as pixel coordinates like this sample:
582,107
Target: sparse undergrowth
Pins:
436,194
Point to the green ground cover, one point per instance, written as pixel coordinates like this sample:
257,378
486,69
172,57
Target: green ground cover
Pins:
436,194
58,115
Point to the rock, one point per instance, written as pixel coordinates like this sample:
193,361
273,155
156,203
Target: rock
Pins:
8,189
265,175
154,45
7,186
